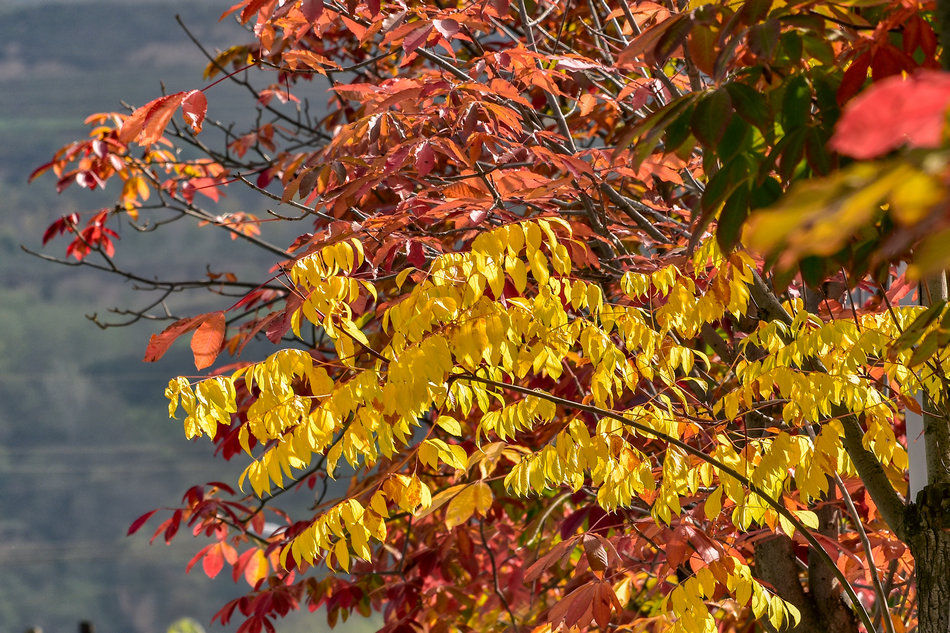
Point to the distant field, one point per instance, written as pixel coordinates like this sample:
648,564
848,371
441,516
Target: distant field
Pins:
85,443
60,61
39,116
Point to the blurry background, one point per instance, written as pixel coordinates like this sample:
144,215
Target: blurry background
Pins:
85,444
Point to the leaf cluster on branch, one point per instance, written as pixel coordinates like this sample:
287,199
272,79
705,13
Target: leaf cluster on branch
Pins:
598,318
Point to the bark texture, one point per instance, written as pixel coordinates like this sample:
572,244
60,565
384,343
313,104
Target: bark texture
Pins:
822,609
929,541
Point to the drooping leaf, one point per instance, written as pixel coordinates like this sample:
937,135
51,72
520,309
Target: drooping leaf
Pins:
158,344
194,107
207,340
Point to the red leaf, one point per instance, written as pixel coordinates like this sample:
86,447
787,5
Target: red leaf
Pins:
900,288
676,549
417,38
854,78
60,226
447,28
416,255
602,604
194,559
132,125
355,27
893,112
425,159
194,107
40,170
596,553
207,340
555,555
158,344
312,10
253,6
478,216
139,522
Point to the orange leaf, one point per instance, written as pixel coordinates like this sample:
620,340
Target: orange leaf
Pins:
213,561
587,103
147,124
207,340
256,568
158,344
309,58
133,124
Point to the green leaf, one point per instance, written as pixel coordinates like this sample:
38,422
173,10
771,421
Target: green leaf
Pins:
766,193
913,332
814,270
647,132
751,106
790,52
712,116
816,152
792,150
678,131
724,182
926,349
733,216
819,48
753,11
736,138
796,103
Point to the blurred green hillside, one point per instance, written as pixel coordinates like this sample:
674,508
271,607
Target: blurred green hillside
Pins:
85,446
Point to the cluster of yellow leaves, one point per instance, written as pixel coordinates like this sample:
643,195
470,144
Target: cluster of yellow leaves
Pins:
447,345
859,373
686,602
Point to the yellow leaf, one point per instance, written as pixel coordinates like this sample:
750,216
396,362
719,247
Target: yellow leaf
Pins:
378,503
450,425
429,454
808,518
477,497
401,277
776,612
355,332
713,504
342,554
519,274
483,497
440,499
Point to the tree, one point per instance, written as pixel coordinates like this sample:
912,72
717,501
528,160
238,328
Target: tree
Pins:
526,329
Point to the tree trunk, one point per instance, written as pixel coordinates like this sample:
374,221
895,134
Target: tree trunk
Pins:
821,607
929,540
928,520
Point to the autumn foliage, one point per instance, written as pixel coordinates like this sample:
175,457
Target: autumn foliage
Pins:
604,318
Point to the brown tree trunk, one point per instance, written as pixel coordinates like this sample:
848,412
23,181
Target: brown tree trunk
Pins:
821,607
929,540
928,519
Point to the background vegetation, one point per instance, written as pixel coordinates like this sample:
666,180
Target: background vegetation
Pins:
84,447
